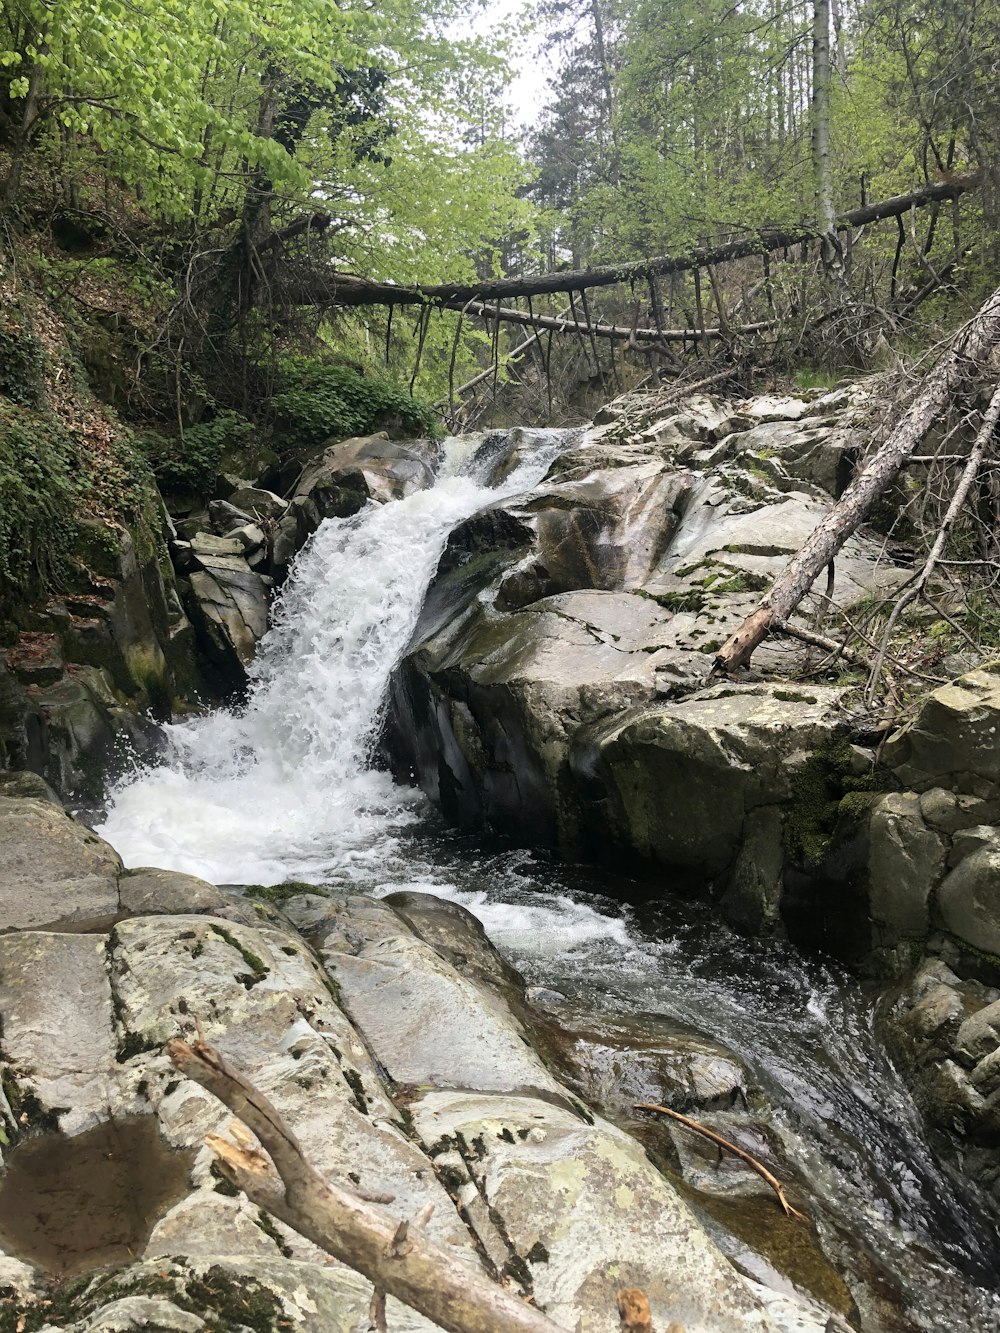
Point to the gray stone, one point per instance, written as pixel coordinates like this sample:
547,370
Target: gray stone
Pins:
906,862
979,1034
148,891
954,738
985,1077
258,503
685,774
141,1312
55,1002
27,786
586,1197
969,899
55,871
753,898
427,1022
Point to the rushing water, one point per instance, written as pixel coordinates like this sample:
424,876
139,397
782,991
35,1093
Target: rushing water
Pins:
283,789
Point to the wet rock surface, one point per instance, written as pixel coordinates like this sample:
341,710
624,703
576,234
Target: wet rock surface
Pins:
557,688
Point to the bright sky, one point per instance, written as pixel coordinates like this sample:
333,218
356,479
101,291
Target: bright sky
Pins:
532,68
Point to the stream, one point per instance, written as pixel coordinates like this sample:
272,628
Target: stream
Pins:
284,789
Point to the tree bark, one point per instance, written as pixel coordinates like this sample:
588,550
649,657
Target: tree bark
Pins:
971,345
822,171
322,287
391,1253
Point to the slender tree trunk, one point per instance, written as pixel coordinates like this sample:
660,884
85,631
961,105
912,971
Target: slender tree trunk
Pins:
970,347
822,169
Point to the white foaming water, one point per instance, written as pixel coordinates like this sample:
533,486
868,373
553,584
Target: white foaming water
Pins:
281,789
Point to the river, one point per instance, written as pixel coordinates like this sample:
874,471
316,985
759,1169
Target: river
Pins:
284,788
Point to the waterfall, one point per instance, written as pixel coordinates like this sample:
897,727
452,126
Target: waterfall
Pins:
282,787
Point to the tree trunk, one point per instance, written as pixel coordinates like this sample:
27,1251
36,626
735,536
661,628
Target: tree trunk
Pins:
822,171
322,286
971,345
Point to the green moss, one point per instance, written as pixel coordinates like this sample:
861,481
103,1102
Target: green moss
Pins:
266,1224
40,492
133,1044
190,462
258,968
828,799
22,359
30,1116
356,1084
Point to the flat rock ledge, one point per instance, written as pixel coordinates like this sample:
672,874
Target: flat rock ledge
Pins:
397,1069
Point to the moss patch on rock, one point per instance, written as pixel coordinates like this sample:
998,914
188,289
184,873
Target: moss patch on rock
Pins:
828,799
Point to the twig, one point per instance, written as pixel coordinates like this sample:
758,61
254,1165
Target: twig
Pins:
916,589
741,1153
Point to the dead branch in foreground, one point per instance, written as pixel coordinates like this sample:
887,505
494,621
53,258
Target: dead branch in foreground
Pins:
967,351
391,1253
739,1152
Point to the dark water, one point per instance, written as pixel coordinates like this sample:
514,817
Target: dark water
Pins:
915,1243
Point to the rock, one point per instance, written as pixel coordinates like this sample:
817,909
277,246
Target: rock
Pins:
969,898
259,504
55,871
22,726
581,1204
979,1036
27,786
58,1041
952,741
906,861
224,517
147,891
554,688
677,780
229,605
427,1022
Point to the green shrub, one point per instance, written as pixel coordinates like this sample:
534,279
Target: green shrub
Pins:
22,361
317,400
190,464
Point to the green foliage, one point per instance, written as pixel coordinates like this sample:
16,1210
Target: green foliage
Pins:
190,462
40,488
22,361
317,400
982,616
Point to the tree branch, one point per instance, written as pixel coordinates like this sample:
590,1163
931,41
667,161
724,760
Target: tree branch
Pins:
391,1253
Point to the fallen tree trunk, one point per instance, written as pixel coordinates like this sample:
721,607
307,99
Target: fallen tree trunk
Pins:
391,1252
967,350
507,315
323,287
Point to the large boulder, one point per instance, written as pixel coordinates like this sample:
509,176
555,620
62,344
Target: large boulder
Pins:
557,683
228,603
55,872
952,740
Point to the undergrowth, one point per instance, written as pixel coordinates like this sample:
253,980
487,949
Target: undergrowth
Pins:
318,400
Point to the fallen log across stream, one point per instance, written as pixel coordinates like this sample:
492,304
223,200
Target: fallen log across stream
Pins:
311,285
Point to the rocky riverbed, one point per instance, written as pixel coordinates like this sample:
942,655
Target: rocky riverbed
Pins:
543,610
